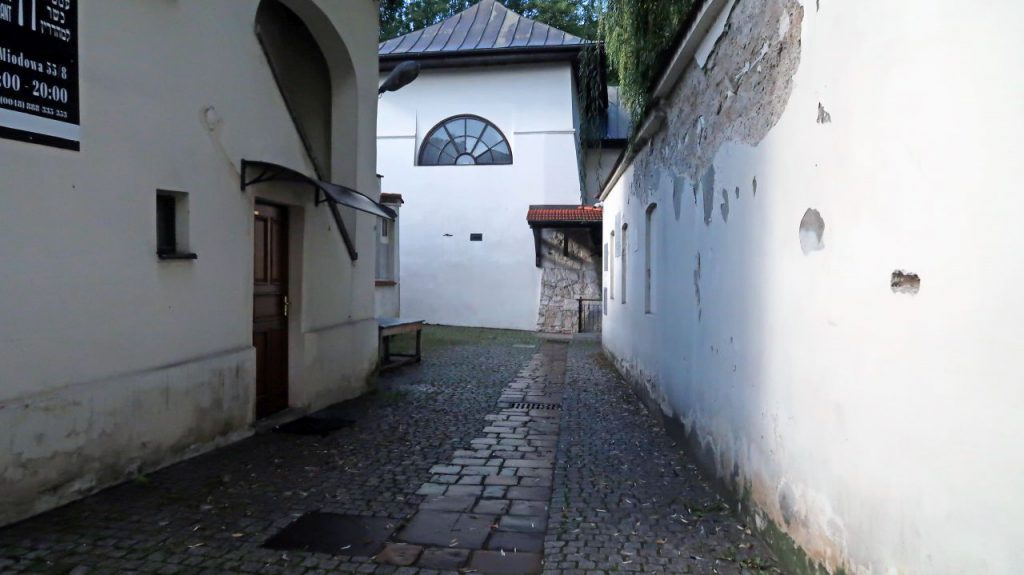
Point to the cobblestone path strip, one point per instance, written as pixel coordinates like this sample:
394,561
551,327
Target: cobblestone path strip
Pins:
487,508
625,499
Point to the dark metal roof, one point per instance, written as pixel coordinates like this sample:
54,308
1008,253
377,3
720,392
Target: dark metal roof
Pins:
487,26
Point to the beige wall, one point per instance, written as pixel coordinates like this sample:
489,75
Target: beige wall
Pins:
98,335
874,426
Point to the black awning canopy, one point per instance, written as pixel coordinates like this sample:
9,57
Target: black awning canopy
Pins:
326,192
263,172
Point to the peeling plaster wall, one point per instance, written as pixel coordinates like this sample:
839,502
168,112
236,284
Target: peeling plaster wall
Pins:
571,270
840,176
113,362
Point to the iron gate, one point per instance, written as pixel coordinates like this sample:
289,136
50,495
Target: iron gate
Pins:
589,315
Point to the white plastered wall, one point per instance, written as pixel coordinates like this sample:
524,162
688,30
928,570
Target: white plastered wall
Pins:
879,430
448,279
112,361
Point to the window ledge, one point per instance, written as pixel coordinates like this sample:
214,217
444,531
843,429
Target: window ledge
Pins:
177,256
386,283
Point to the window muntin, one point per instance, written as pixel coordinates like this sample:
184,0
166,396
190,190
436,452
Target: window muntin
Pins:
465,141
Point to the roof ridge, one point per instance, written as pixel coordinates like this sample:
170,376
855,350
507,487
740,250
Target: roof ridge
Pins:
486,13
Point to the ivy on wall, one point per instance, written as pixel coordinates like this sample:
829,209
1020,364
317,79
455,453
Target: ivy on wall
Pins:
638,36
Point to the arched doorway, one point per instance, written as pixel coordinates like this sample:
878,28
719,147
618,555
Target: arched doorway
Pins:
316,78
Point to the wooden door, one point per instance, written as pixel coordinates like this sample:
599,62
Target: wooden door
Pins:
270,308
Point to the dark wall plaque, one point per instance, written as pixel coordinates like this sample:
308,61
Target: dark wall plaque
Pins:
39,72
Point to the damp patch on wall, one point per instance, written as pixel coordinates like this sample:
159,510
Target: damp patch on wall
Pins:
707,184
678,186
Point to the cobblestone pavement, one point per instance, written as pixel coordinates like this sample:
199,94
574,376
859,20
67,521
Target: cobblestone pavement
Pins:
623,499
211,514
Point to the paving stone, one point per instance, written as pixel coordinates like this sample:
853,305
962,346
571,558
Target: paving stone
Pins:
479,470
445,559
465,490
448,503
399,554
447,529
529,493
515,542
535,481
468,461
534,463
492,506
523,523
530,508
495,491
446,469
498,563
431,489
505,480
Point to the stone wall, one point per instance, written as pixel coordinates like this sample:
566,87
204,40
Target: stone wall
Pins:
571,265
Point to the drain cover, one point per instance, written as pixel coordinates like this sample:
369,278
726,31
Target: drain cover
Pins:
548,406
334,534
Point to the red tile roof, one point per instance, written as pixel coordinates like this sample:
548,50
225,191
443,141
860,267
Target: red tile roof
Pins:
570,214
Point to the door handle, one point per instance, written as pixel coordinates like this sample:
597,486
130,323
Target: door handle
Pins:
285,306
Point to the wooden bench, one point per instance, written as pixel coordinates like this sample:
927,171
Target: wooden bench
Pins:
390,327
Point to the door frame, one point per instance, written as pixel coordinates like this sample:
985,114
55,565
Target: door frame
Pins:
286,224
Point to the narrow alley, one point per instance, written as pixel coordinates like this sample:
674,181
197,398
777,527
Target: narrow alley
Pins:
500,453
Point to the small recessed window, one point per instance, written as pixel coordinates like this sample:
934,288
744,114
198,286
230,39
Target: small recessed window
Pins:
172,226
386,271
476,237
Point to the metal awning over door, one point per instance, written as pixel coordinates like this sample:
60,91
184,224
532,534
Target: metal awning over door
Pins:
255,172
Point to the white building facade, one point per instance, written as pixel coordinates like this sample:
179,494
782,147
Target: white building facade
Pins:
153,308
467,253
812,272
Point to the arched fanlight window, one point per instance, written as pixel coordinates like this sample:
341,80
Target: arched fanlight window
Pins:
465,141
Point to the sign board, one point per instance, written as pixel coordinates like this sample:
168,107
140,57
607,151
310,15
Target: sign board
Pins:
39,72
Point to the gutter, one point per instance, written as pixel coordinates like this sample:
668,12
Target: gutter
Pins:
486,57
654,121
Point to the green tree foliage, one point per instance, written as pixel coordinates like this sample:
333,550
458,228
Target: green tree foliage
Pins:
638,35
579,17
